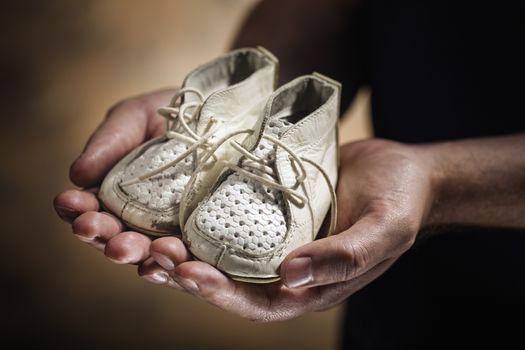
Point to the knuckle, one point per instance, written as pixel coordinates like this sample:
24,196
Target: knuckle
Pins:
355,258
407,231
115,107
400,221
407,241
122,105
261,318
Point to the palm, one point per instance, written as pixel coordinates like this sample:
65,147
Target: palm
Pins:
380,176
383,194
378,184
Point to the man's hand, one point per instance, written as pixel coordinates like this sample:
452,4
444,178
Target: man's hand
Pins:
387,192
127,125
384,194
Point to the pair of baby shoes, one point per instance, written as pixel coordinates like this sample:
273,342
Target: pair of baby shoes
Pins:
244,173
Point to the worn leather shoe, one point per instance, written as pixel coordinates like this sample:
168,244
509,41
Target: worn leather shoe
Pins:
275,198
223,96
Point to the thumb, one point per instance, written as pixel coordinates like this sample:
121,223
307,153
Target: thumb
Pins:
340,257
125,127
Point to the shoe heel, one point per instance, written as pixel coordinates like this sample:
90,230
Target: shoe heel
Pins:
275,60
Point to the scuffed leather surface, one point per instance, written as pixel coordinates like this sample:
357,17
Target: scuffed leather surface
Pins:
134,213
238,107
227,74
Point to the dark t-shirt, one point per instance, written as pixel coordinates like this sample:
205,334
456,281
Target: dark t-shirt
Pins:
443,70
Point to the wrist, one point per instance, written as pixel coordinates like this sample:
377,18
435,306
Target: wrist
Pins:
477,182
434,158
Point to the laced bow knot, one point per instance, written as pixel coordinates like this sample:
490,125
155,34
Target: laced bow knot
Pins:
261,170
177,112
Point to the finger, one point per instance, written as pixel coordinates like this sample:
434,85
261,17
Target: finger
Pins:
72,203
263,303
342,257
169,252
127,125
334,294
128,248
205,281
96,228
154,273
269,302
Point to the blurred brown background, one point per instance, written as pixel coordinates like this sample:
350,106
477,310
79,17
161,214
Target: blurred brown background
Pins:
63,64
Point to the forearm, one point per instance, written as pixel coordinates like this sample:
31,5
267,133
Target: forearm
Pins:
478,182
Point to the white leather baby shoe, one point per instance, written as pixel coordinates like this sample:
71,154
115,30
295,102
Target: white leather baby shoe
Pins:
275,198
225,95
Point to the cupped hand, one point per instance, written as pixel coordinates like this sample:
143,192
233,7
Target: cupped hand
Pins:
385,193
127,125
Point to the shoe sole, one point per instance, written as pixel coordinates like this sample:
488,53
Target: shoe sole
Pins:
245,279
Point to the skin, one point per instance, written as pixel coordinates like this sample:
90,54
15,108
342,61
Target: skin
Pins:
388,193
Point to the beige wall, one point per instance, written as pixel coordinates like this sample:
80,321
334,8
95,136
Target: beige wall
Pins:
64,63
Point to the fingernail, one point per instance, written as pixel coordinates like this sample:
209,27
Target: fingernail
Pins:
189,285
299,272
83,238
163,261
119,261
67,214
157,277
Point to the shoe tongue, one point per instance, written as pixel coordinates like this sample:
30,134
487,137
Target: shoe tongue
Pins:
274,127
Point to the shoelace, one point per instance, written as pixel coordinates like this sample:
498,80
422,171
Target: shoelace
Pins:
268,177
177,118
178,113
